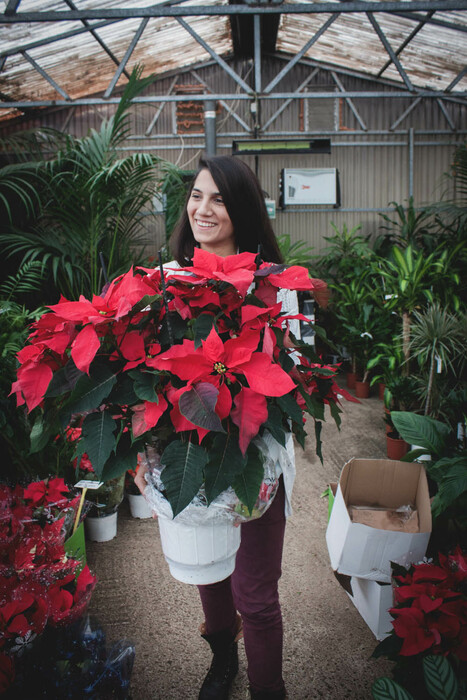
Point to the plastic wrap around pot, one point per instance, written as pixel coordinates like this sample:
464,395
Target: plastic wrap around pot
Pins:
227,507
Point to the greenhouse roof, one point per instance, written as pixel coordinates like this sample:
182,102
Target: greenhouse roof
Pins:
66,52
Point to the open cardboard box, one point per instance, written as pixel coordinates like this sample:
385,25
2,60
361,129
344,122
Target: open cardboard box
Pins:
381,485
373,600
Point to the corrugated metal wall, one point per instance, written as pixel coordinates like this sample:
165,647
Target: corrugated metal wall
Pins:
374,165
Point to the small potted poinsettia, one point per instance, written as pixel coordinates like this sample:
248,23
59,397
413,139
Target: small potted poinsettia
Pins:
428,642
197,363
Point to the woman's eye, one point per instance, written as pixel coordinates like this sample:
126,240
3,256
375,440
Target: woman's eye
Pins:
219,200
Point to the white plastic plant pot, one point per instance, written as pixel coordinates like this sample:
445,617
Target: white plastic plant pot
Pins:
101,529
139,507
199,554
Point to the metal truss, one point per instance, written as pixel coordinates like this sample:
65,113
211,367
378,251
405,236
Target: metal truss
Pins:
253,91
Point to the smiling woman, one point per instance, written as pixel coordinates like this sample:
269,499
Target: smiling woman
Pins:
225,198
209,220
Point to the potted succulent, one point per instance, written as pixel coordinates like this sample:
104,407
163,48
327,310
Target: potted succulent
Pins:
199,363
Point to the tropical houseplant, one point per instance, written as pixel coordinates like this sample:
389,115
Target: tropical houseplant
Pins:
84,209
438,341
447,448
194,362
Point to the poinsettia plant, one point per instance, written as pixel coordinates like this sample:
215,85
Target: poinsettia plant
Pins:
199,359
430,620
40,584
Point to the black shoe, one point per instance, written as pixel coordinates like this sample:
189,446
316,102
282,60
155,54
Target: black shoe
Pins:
224,666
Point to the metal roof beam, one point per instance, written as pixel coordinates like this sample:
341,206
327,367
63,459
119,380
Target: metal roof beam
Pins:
222,102
153,122
415,17
58,37
447,116
257,51
457,79
287,102
215,56
390,51
148,99
349,101
96,36
206,10
301,53
405,113
12,6
126,57
405,43
45,75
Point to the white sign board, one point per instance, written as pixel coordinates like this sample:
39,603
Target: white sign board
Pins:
309,185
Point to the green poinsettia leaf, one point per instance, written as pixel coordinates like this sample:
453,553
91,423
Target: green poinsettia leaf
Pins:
198,404
248,483
202,327
335,413
98,439
421,430
387,689
144,385
291,408
64,380
314,405
90,391
440,679
225,463
274,424
41,435
125,459
182,475
177,325
123,393
300,434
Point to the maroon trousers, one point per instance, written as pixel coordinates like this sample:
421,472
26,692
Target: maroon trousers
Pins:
252,589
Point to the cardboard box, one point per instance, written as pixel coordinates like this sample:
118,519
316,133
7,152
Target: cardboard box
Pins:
373,600
366,552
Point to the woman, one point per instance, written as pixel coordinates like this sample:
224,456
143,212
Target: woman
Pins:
225,214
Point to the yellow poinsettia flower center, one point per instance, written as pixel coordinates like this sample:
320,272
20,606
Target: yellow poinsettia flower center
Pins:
219,368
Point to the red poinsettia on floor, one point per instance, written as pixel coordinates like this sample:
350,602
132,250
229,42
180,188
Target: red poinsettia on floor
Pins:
38,581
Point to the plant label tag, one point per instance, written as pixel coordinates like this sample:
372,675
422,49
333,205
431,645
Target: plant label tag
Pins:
88,484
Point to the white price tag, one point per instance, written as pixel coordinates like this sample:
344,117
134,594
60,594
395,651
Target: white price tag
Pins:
88,484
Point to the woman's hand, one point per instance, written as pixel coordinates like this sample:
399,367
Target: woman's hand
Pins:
140,479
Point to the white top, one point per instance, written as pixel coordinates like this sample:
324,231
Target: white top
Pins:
283,458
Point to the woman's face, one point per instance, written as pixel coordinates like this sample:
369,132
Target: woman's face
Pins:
209,220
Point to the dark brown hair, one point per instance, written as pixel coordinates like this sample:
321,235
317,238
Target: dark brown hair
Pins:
244,201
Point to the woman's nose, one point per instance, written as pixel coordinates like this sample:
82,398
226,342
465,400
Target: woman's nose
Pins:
204,206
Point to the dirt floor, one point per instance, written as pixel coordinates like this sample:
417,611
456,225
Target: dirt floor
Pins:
327,645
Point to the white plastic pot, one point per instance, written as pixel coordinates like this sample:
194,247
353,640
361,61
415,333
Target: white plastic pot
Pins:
139,507
101,529
199,554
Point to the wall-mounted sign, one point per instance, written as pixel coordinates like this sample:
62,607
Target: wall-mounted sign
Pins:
309,186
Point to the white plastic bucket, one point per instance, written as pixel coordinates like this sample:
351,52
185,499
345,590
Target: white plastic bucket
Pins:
199,554
139,507
101,529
